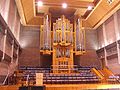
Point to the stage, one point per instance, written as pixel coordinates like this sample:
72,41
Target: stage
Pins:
82,86
69,87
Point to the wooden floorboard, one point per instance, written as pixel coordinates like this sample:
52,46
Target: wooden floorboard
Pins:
70,87
81,86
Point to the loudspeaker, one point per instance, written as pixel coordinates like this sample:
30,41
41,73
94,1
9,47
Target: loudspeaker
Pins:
32,88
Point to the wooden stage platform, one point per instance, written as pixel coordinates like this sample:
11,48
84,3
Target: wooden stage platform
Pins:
71,87
82,86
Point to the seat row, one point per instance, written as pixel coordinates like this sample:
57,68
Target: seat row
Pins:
70,81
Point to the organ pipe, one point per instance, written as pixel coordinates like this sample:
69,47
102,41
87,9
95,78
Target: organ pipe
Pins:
80,39
47,33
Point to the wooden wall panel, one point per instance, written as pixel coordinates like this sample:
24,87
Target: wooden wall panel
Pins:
11,16
111,33
100,37
2,7
8,48
110,30
112,61
1,41
7,14
29,40
16,26
45,60
3,68
118,20
30,56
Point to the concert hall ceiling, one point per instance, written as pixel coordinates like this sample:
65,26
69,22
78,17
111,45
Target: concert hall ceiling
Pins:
32,14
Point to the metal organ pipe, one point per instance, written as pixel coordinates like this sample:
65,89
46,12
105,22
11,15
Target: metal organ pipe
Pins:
47,33
71,34
63,28
79,36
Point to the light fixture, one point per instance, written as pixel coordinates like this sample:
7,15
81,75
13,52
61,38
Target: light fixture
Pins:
90,7
40,3
109,1
64,5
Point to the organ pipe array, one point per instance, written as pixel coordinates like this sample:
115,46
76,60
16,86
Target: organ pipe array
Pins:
79,36
62,42
45,34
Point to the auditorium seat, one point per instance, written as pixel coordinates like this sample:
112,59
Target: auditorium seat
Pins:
84,75
113,79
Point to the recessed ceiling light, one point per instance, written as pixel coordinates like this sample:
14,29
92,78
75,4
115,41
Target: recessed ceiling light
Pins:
40,3
90,7
109,1
64,5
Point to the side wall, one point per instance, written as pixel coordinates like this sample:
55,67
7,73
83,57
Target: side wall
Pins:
108,35
9,36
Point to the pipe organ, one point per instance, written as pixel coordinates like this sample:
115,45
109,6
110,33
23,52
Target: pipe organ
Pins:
79,37
45,35
62,42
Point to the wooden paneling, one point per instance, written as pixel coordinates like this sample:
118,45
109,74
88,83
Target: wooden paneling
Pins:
58,12
75,3
100,37
28,10
110,52
11,16
99,12
7,38
110,30
29,40
82,86
118,19
2,7
1,40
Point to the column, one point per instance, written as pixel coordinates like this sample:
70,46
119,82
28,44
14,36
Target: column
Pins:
117,35
7,8
105,43
17,55
12,52
4,44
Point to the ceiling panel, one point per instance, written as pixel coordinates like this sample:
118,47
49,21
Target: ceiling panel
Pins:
31,11
28,9
100,12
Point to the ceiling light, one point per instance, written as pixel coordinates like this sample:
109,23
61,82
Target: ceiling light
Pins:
40,3
90,7
109,1
64,5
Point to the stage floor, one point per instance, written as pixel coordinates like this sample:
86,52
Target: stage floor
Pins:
70,87
83,86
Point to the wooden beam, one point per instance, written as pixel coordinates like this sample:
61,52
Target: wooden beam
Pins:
100,11
21,12
107,16
71,3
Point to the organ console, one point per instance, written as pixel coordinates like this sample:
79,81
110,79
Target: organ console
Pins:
62,42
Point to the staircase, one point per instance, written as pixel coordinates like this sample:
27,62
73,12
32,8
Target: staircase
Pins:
106,72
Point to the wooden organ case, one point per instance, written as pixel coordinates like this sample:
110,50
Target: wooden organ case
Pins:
62,42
